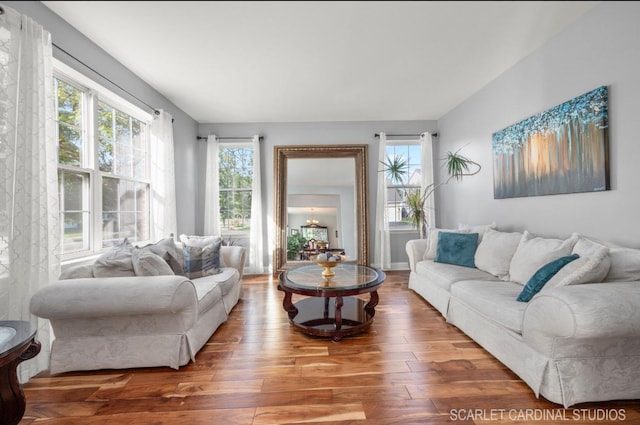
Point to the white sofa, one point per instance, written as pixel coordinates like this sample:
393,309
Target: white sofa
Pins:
571,343
137,321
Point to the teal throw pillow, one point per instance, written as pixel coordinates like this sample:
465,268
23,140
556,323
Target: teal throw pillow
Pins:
456,248
543,275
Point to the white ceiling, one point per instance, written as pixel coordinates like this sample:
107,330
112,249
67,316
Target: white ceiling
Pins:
255,61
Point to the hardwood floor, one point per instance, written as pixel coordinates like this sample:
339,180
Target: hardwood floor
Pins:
411,367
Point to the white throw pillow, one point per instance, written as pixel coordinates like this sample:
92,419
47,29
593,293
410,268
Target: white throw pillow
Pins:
587,248
480,229
167,249
592,266
146,263
116,262
432,241
534,252
495,252
625,265
77,272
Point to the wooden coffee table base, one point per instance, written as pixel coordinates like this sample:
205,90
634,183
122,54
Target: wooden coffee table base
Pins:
332,317
20,348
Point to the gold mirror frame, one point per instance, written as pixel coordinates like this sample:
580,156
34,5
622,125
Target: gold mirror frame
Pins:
281,155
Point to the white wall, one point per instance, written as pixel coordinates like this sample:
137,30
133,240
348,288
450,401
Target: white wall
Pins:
602,48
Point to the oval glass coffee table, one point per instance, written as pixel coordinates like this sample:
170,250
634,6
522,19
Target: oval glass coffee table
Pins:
331,307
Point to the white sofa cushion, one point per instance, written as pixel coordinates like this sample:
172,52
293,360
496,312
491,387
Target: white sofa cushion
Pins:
495,252
592,266
443,275
533,252
208,292
494,300
226,280
625,265
432,240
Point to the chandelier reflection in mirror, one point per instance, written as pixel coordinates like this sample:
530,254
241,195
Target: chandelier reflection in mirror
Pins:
312,221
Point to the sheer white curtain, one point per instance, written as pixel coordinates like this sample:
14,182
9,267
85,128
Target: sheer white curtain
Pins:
29,215
382,252
163,178
212,189
426,144
256,250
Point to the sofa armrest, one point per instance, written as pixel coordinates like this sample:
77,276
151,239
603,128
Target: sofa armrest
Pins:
113,296
234,256
415,251
588,311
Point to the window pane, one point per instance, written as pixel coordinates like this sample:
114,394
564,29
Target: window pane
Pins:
235,210
105,137
137,133
122,143
139,149
69,117
142,202
110,229
125,211
76,227
124,146
395,205
236,168
109,194
409,155
73,199
74,210
235,179
69,104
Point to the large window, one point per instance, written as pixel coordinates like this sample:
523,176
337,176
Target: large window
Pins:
407,154
235,180
102,168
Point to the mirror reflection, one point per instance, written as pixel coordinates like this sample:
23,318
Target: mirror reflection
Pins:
320,203
321,207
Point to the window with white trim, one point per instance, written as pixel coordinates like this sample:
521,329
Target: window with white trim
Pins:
103,166
235,164
409,153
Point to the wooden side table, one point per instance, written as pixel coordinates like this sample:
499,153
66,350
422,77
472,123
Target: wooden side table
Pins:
17,344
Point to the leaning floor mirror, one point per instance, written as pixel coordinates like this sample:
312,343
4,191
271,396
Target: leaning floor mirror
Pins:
320,202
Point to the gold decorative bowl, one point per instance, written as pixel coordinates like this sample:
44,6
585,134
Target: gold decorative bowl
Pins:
327,265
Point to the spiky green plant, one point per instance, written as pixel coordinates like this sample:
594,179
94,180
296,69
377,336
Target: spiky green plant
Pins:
416,210
396,168
458,165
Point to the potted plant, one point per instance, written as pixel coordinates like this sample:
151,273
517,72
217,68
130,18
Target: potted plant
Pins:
396,168
295,243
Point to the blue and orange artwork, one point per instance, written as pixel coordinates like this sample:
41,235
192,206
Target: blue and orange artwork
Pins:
562,150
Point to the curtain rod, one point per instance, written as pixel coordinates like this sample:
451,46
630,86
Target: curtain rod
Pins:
405,135
232,138
155,111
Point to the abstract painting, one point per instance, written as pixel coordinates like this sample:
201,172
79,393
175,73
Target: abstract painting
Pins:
562,150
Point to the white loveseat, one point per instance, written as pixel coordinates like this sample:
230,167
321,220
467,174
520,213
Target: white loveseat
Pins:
577,340
137,321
